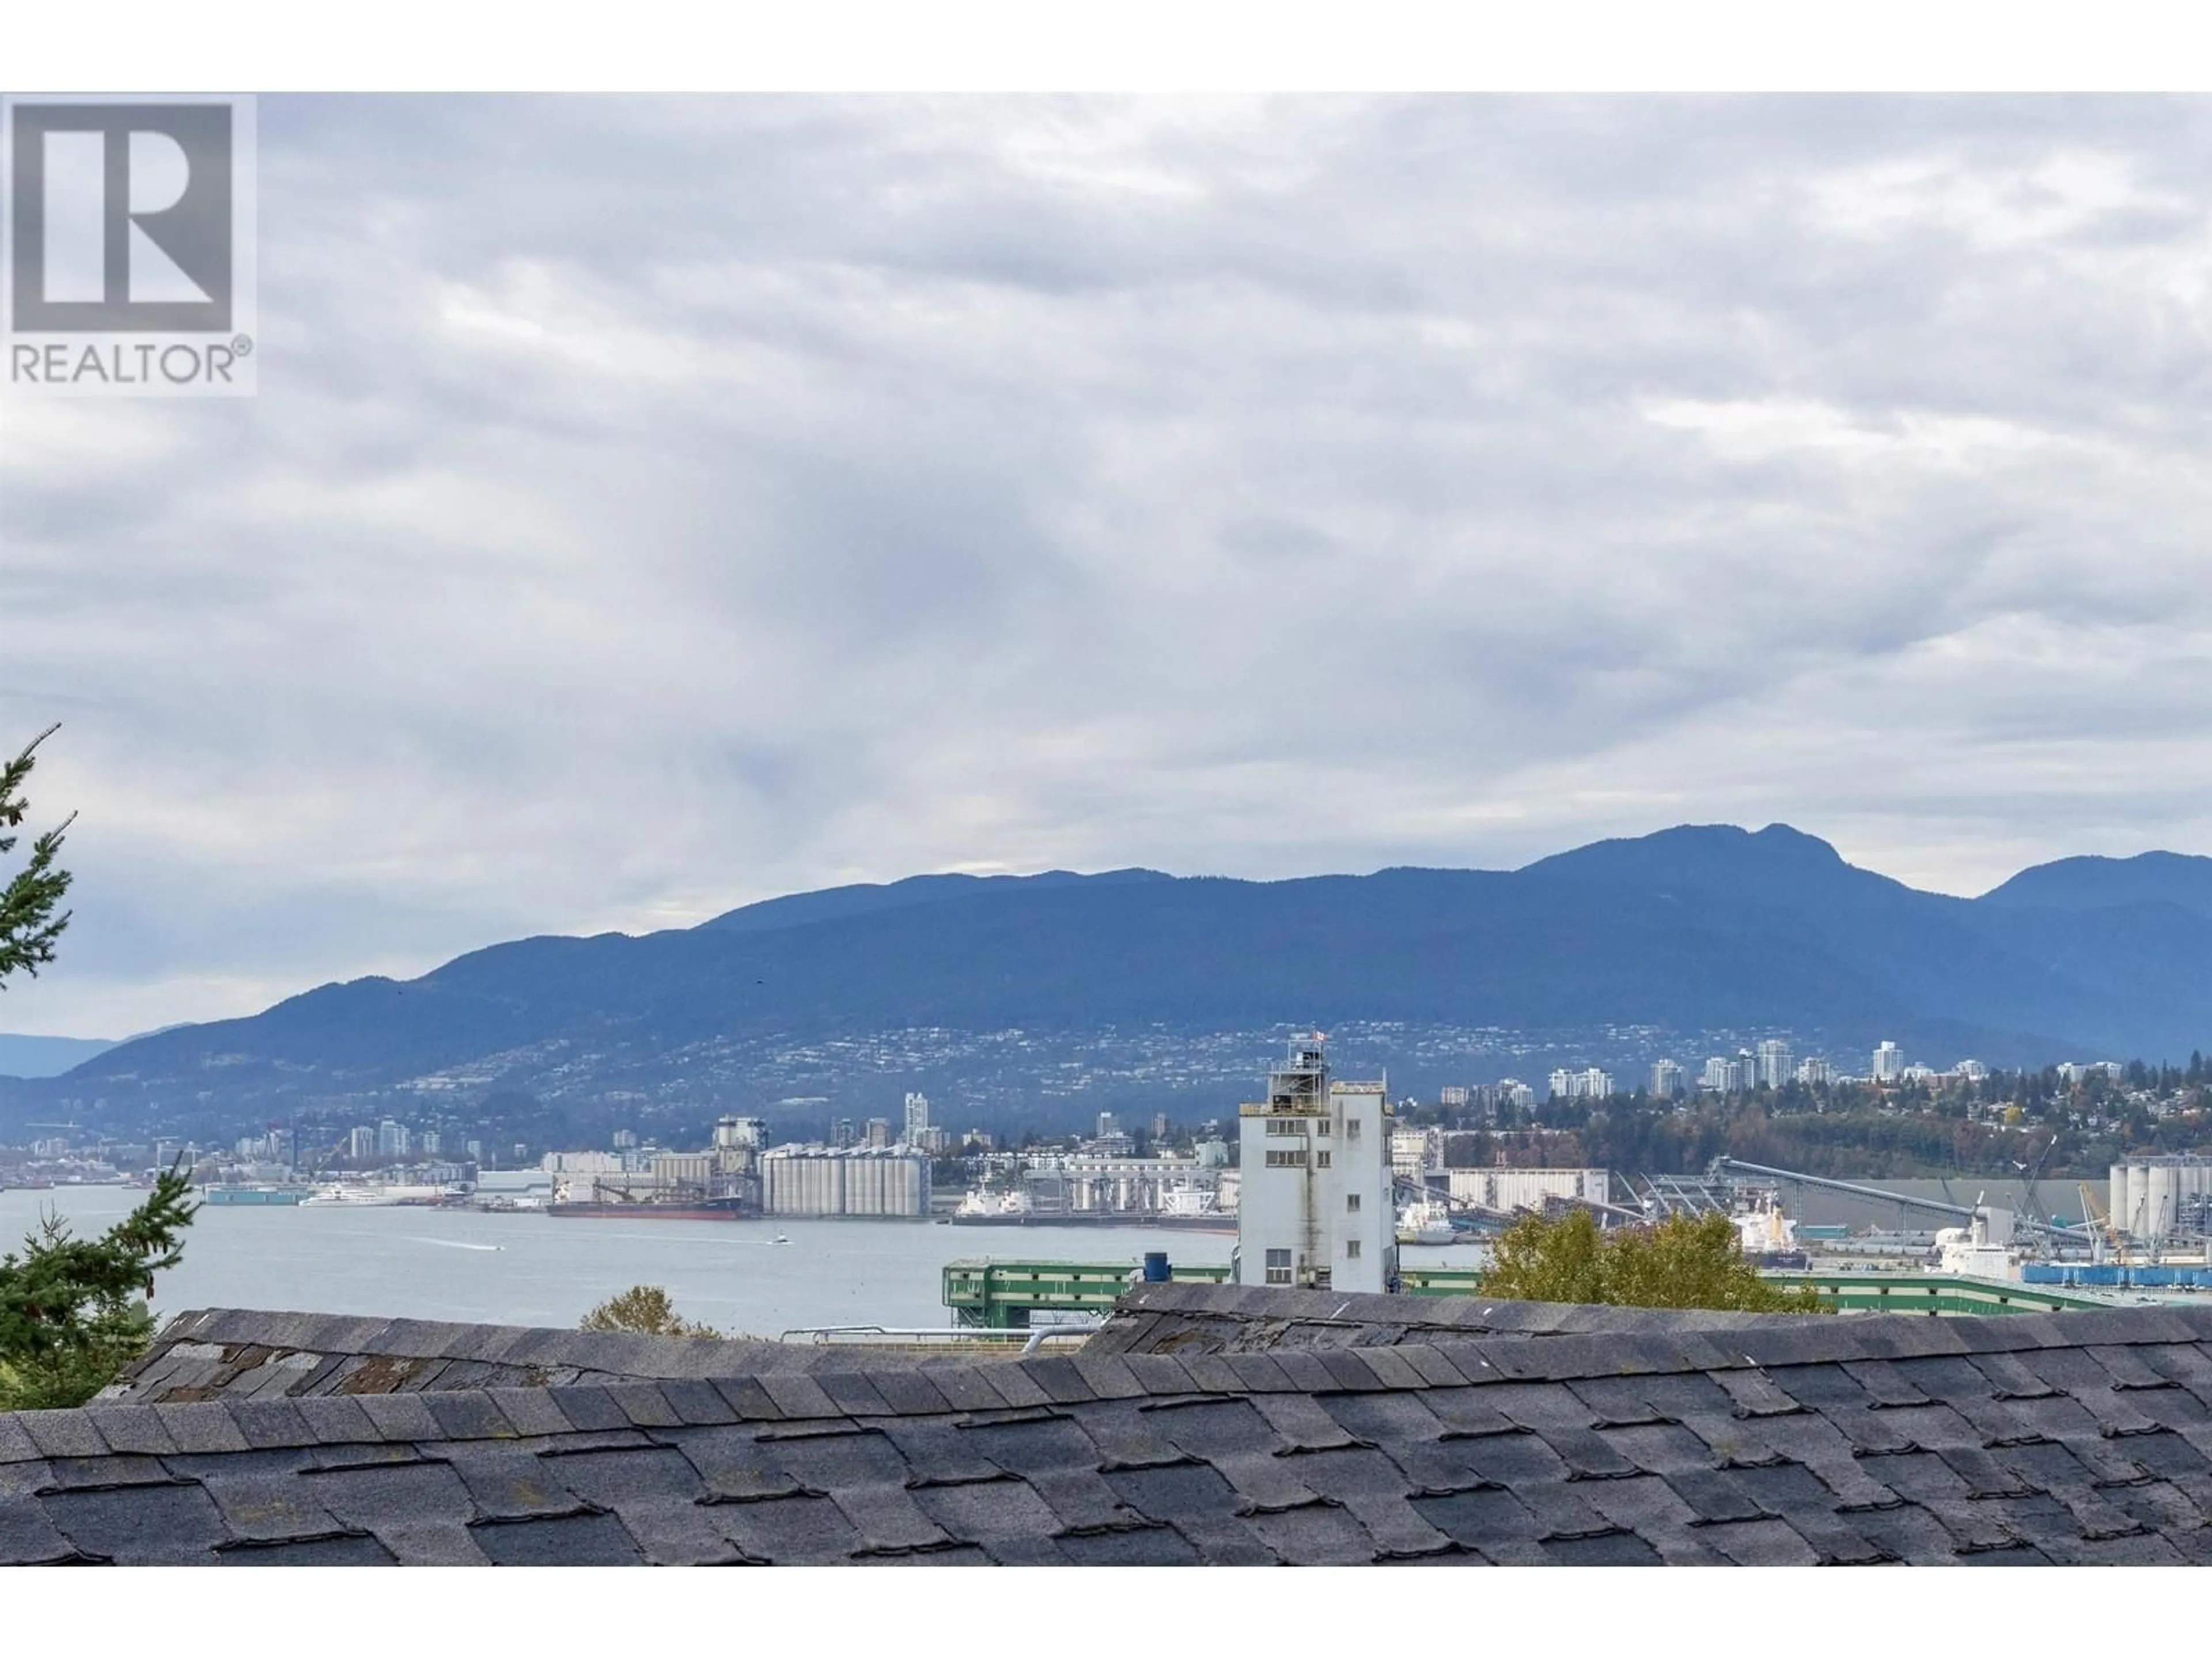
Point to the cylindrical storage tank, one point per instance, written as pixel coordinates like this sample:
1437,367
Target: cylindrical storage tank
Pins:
2117,1202
2160,1208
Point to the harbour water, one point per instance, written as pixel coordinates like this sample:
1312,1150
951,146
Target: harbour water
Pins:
528,1269
522,1269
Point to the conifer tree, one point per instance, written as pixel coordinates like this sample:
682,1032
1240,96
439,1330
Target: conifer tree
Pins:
29,926
73,1311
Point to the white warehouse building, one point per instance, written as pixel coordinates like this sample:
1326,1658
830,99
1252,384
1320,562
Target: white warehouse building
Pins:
1527,1190
1315,1211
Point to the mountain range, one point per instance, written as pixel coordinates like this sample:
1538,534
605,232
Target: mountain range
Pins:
1002,984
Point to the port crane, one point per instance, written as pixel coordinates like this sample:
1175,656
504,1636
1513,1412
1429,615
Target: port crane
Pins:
2035,1205
2103,1231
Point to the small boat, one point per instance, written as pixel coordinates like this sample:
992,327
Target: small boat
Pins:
780,1239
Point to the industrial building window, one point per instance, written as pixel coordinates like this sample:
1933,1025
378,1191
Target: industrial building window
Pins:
1321,1126
1352,1204
1352,1249
1321,1158
1352,1128
1279,1266
1291,1158
1286,1126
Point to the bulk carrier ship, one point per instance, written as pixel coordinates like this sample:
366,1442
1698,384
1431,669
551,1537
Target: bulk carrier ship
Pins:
687,1204
694,1209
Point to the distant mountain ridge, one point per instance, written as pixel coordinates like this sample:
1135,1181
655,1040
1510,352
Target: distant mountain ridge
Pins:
2097,883
1697,927
797,909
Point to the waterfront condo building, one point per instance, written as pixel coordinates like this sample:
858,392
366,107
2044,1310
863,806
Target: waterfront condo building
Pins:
1316,1210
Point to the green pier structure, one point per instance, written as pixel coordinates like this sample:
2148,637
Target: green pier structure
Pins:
1001,1296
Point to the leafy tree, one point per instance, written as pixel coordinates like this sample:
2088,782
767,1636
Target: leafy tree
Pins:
1683,1261
73,1311
28,926
643,1310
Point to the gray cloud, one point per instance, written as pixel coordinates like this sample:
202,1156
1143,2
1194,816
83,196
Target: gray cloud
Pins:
655,505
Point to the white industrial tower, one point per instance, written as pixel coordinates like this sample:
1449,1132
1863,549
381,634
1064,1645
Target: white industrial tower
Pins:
1315,1211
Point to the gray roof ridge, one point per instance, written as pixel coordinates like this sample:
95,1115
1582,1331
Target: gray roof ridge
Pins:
1470,1312
663,1357
1044,1384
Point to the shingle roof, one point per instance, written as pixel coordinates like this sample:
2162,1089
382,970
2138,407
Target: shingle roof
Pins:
2082,1437
242,1354
1199,1318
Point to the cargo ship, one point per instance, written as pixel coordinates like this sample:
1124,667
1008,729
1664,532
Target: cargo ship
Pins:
696,1209
1186,1209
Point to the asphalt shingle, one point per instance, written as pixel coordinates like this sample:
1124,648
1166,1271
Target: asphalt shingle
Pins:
1297,1428
175,1522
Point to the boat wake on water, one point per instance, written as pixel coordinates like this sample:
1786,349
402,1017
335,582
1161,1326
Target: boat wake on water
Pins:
456,1244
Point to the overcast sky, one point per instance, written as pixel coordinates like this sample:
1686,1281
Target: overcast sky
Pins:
650,507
